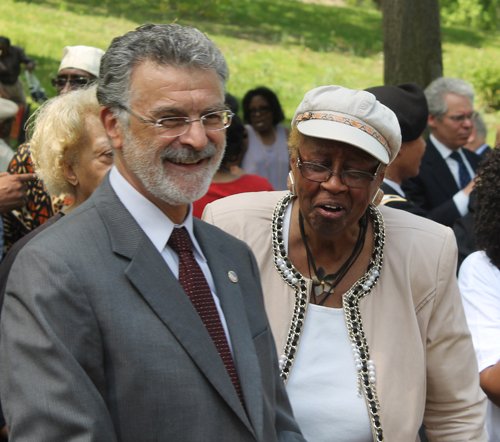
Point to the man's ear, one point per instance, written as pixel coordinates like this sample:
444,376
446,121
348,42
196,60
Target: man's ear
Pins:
70,175
431,121
113,127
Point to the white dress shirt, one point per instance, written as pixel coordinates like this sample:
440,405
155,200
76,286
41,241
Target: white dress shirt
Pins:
158,227
460,199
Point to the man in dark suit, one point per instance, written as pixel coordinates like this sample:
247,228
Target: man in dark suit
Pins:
445,180
409,104
129,320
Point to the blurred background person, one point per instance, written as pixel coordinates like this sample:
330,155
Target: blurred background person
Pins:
8,111
363,301
479,280
11,58
445,179
477,140
79,67
71,155
266,151
409,104
225,182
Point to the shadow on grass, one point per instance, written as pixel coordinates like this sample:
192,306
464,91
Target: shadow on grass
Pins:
320,28
463,36
355,31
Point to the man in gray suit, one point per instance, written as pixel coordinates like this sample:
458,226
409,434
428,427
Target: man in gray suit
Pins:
100,341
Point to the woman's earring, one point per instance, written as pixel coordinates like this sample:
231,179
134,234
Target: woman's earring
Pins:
290,183
377,198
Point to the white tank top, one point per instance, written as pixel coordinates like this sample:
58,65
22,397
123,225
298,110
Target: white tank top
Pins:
323,382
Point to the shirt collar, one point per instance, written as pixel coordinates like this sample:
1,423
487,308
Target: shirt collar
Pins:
443,150
156,225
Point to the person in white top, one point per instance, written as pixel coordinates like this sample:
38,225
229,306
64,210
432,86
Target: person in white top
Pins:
479,281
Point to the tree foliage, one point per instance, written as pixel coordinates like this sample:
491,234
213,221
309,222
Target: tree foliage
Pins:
477,14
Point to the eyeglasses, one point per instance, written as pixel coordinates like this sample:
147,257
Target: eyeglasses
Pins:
318,173
73,82
171,127
260,110
461,118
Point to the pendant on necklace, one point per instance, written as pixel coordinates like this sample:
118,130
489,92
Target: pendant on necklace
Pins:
321,287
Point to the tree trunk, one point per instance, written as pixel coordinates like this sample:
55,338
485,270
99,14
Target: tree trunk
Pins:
412,41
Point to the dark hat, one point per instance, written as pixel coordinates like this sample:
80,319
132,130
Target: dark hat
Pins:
409,104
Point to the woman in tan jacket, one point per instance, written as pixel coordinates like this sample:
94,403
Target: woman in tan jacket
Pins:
363,302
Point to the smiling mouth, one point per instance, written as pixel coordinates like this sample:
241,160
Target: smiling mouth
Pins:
187,162
331,208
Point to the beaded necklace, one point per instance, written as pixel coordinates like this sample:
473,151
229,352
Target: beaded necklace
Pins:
350,302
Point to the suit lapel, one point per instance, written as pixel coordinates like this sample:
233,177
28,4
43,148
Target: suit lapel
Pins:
151,276
231,299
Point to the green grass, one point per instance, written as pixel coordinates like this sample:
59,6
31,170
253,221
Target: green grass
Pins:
286,45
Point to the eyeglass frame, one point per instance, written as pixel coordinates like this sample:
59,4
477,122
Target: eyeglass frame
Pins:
71,81
460,119
341,174
157,123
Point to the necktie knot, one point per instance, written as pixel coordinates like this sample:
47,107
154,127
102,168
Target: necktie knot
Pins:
180,241
457,157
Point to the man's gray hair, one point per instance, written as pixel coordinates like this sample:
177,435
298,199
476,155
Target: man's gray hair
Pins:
436,91
169,45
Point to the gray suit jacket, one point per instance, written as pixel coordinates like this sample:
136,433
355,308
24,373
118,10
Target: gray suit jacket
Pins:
101,343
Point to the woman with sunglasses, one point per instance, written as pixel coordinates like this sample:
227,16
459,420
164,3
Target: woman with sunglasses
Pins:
363,301
266,153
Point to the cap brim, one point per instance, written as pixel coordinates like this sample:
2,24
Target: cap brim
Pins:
331,130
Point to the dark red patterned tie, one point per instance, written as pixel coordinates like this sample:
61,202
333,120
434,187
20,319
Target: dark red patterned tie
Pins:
193,282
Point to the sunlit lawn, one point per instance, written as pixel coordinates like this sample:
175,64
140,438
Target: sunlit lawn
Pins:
286,45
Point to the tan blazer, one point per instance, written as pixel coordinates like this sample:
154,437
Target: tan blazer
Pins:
413,320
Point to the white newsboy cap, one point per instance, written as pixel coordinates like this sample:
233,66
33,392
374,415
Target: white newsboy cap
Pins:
353,117
8,109
85,58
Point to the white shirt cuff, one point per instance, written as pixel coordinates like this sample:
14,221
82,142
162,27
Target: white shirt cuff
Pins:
461,200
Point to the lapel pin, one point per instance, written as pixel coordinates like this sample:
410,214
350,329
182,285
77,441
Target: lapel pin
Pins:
233,277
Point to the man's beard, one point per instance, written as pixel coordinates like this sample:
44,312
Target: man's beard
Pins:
171,186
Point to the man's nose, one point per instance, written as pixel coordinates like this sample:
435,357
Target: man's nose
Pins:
195,135
65,89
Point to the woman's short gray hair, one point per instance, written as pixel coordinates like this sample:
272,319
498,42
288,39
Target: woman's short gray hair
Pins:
436,91
58,133
170,45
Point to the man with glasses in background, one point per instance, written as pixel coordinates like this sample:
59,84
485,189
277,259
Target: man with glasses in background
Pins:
79,67
446,178
140,323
